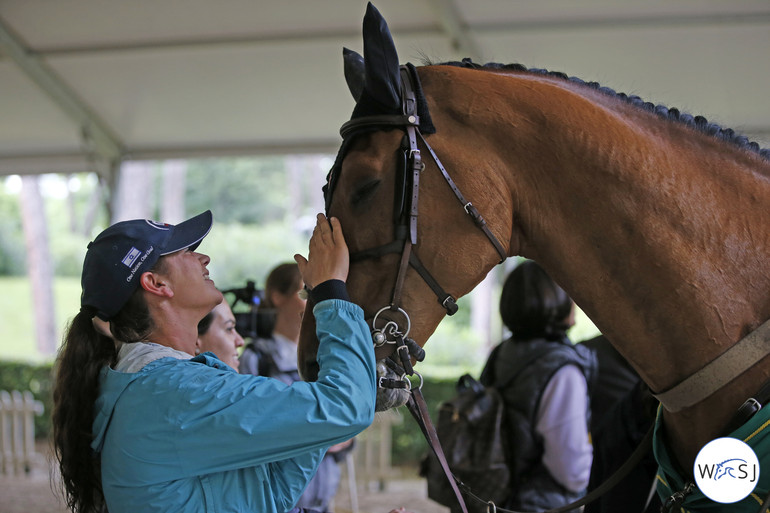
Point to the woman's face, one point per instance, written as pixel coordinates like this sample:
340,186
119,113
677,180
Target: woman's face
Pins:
221,337
289,306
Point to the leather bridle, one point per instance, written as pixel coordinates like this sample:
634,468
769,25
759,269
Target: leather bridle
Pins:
407,198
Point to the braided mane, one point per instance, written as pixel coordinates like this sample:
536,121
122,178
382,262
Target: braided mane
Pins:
698,123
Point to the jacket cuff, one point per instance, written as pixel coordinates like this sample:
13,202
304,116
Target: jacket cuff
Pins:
330,289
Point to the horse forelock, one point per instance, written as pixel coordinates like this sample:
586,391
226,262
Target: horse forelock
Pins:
698,123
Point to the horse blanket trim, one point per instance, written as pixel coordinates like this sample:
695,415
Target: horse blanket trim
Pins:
755,433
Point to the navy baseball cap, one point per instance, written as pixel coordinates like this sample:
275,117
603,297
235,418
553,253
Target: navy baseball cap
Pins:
119,255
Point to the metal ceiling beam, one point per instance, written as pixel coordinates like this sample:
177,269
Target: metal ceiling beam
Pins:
98,139
451,22
71,162
456,28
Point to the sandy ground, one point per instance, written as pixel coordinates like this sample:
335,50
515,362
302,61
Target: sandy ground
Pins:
32,493
407,490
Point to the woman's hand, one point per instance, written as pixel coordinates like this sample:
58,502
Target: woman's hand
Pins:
328,257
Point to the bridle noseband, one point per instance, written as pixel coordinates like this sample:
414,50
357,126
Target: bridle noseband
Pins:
406,200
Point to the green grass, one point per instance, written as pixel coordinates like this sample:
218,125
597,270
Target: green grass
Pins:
17,335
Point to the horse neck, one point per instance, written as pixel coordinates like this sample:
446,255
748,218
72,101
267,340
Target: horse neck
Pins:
660,234
649,226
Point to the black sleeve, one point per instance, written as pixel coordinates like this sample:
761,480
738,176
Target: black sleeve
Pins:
330,289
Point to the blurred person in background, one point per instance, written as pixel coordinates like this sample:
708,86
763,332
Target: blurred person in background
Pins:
217,334
547,400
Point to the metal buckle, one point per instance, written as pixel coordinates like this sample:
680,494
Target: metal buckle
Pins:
677,498
450,305
407,385
757,405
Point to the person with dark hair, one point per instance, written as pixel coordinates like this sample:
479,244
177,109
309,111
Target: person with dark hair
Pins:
275,355
544,381
143,425
217,335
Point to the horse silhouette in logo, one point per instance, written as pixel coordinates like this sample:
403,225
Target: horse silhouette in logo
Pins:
723,469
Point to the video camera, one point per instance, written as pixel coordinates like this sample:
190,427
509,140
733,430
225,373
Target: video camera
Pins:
256,322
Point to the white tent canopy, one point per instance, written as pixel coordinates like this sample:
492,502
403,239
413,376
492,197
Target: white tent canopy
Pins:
86,84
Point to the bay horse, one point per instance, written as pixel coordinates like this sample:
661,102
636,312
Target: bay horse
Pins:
655,222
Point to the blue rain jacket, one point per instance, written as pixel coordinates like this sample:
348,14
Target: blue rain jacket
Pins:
194,435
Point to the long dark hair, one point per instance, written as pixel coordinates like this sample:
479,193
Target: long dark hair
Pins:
285,279
205,323
82,356
532,304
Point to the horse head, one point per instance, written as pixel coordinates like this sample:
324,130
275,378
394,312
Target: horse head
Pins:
370,189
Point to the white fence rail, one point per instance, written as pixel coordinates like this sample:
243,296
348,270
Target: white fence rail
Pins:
17,432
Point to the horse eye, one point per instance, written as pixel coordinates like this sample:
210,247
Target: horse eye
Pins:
364,192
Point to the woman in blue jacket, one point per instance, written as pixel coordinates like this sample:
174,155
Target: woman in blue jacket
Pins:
142,425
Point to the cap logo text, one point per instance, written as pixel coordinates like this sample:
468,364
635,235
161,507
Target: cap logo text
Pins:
139,264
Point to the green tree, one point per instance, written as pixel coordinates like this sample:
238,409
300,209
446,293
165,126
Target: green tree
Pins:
11,235
248,191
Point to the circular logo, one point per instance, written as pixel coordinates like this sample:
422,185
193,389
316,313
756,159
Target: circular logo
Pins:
726,470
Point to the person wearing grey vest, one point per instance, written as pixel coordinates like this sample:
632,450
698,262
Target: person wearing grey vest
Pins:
547,403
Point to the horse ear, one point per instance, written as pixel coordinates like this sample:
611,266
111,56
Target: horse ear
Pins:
383,81
355,72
